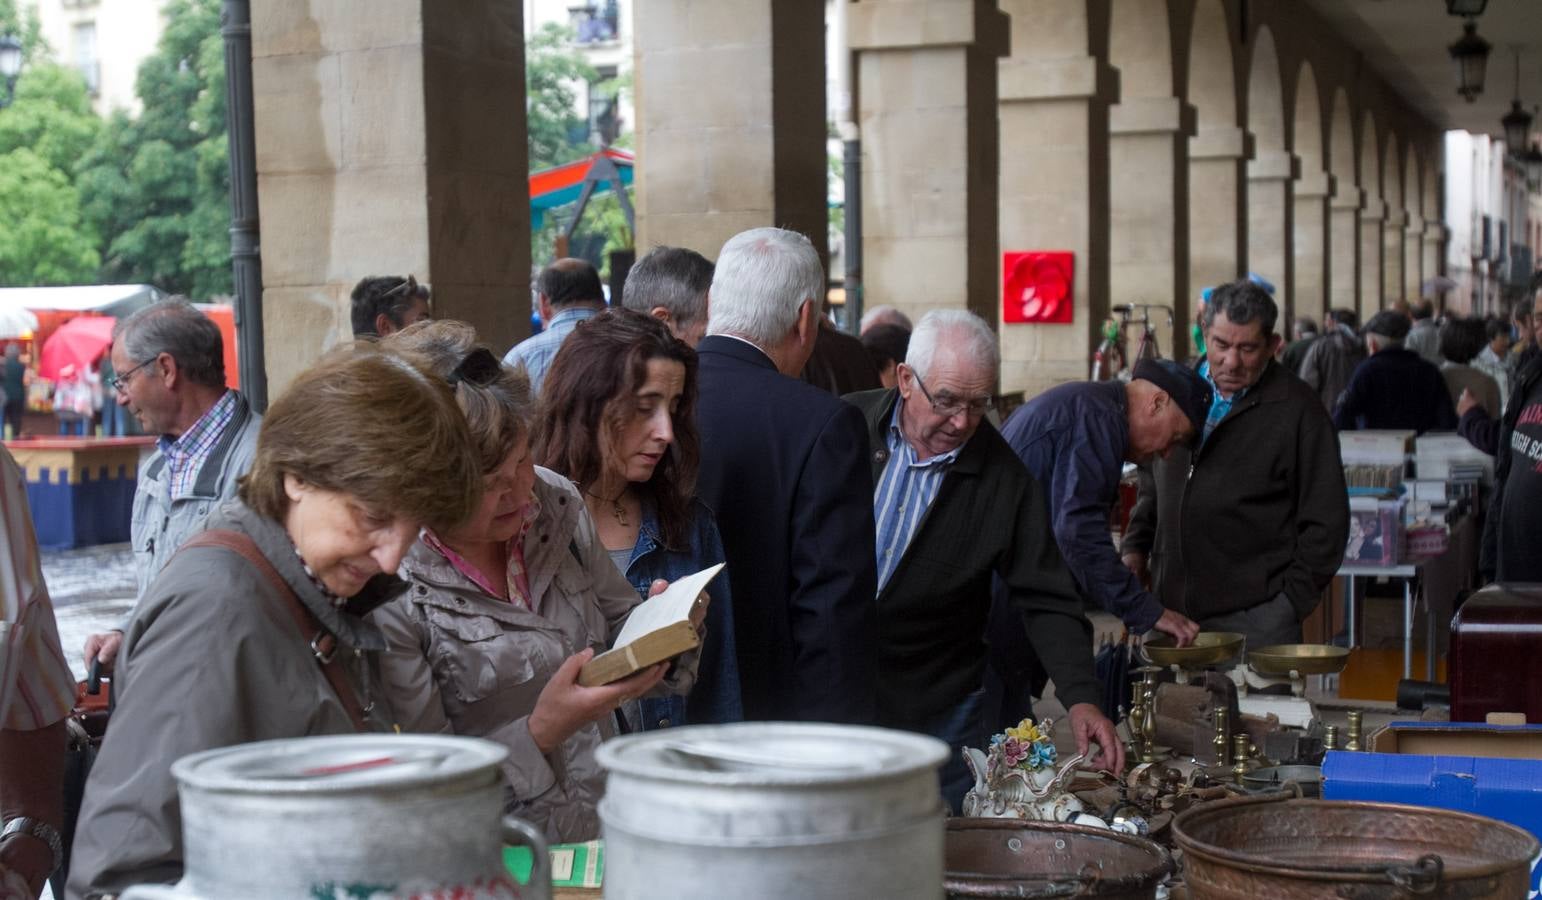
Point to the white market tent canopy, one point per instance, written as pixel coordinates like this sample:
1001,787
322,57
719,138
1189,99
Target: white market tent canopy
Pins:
109,299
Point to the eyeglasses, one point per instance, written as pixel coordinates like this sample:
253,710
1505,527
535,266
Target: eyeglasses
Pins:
949,406
119,383
480,367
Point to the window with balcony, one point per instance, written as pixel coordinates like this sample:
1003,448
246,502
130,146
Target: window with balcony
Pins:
596,22
83,42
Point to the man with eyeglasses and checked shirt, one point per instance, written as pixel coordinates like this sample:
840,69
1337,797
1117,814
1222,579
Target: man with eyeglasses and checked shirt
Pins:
954,509
170,361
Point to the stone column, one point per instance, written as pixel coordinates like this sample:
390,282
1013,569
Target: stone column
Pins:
1413,257
389,143
730,106
1434,238
1392,255
1148,222
1372,214
1217,206
1270,234
1054,183
926,76
1344,247
1309,286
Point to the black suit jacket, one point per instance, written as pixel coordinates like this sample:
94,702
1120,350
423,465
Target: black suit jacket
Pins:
989,523
784,466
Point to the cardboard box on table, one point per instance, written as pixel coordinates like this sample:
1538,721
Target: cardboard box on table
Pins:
1490,770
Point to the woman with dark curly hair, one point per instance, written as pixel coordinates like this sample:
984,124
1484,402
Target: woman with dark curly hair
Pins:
507,606
619,418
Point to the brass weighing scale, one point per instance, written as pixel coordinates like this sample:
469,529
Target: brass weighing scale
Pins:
1266,668
1211,650
1285,664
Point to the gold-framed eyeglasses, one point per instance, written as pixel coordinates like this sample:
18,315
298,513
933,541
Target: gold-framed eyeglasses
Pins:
948,406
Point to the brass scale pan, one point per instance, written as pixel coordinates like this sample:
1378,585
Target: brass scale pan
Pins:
1215,647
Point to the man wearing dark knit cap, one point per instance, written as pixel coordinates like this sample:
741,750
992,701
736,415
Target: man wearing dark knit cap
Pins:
1395,387
1075,439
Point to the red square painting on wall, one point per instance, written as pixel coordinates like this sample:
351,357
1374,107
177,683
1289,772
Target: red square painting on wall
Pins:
1036,286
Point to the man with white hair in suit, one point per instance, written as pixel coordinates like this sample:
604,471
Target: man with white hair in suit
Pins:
784,465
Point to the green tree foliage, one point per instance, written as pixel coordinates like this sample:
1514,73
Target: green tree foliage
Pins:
157,188
51,115
558,134
23,23
44,131
43,241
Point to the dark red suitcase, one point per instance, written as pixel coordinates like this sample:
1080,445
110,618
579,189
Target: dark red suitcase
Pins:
1496,654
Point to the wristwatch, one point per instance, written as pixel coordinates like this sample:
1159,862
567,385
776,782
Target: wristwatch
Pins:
40,830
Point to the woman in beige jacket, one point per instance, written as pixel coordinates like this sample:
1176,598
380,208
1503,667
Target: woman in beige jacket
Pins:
504,610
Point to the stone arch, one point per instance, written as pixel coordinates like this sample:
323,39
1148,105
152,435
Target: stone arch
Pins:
1395,220
1306,125
1269,172
1341,143
1434,226
1370,158
1217,154
1212,78
1148,226
1054,152
1344,208
1372,218
1415,217
1312,189
1138,46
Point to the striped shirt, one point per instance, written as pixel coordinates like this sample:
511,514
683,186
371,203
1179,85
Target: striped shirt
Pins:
36,686
1219,405
186,454
535,354
904,493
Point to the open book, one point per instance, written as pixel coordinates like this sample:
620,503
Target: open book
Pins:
658,629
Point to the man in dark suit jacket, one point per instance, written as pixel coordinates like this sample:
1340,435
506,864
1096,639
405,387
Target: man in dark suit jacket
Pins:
784,466
956,508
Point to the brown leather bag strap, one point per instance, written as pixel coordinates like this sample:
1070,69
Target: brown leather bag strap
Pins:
323,643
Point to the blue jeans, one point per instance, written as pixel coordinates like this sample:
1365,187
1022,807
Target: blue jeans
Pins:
112,419
959,727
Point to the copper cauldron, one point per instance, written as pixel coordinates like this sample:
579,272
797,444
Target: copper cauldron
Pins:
1285,849
1012,858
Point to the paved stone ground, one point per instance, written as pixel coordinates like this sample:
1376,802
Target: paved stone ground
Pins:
92,588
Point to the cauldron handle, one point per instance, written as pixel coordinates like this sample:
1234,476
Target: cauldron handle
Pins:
519,833
1423,877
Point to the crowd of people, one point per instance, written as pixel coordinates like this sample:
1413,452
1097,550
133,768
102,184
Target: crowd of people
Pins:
428,534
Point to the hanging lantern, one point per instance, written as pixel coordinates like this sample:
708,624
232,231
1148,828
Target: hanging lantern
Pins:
1532,160
1466,8
1470,53
1517,124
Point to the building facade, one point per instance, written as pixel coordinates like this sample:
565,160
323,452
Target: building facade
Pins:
104,40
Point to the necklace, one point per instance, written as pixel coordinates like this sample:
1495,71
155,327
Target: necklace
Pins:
615,506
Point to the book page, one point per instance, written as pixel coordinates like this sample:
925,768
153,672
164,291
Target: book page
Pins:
674,605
